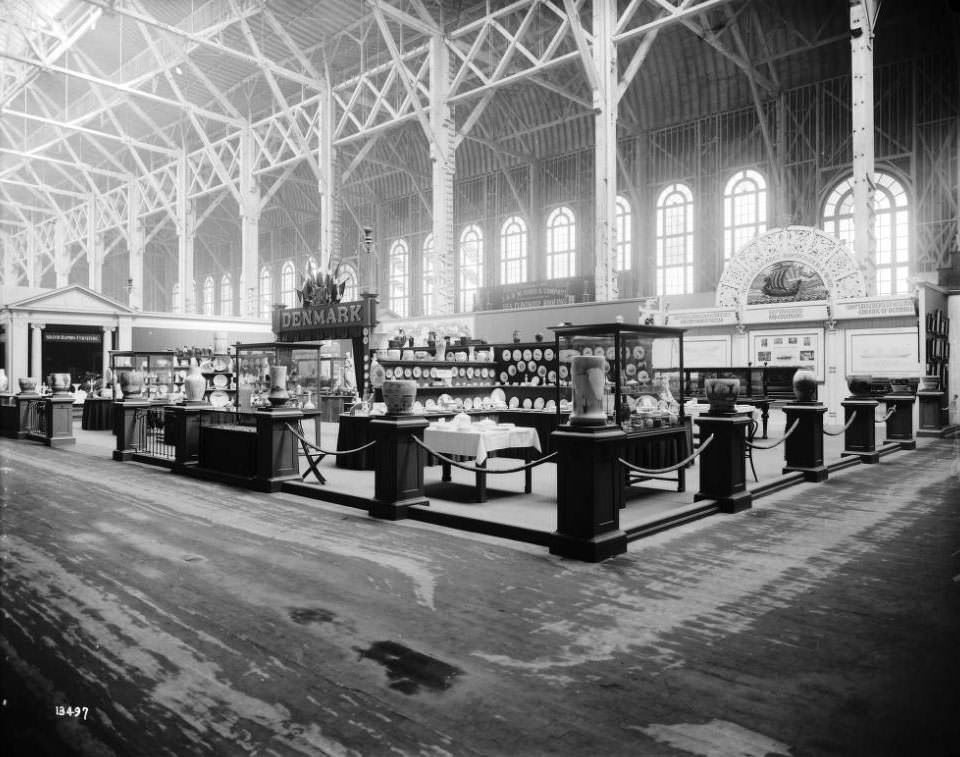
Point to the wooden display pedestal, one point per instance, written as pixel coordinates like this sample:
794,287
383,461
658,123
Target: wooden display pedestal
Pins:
125,421
277,454
900,424
860,439
23,409
398,483
60,415
186,433
723,472
803,449
931,415
590,482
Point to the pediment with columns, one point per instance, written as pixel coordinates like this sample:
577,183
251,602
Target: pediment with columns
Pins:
71,299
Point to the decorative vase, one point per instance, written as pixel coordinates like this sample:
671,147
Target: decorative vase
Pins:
61,384
588,386
538,336
722,394
308,405
278,386
4,381
131,382
27,385
859,385
194,385
805,385
930,384
516,337
399,396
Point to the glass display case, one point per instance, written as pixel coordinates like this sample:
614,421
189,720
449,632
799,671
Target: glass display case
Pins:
636,372
311,373
160,375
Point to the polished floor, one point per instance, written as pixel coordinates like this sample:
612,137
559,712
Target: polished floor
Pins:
193,618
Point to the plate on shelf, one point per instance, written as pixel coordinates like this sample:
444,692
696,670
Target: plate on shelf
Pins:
497,395
532,367
431,404
505,355
467,403
538,403
631,370
586,351
416,371
610,353
504,377
538,354
642,377
527,403
433,373
542,371
517,354
220,381
388,372
206,367
514,403
521,366
219,399
528,354
551,377
470,372
638,352
551,405
444,399
564,371
407,373
512,369
548,354
534,381
219,364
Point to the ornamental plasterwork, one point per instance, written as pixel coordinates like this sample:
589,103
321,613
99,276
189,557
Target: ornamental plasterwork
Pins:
823,254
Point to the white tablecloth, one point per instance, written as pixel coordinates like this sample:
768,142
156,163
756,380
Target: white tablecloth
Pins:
479,443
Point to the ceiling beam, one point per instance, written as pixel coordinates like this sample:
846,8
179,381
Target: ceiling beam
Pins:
668,19
86,130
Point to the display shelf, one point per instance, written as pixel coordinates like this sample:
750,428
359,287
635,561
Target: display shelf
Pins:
310,373
937,345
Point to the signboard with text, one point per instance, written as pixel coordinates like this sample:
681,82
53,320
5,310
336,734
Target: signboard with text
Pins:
338,320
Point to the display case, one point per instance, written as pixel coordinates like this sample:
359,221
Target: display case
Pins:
637,373
164,373
312,375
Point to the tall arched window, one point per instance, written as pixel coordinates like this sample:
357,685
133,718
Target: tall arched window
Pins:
891,226
348,275
208,296
399,288
288,285
675,240
266,293
429,277
624,235
561,243
744,210
471,266
226,295
513,251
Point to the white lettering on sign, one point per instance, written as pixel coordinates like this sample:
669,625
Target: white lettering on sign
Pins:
785,315
698,319
883,307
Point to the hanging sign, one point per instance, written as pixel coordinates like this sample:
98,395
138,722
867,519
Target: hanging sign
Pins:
84,338
334,321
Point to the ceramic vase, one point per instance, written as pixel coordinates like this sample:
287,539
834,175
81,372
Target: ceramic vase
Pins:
589,381
399,396
131,382
308,405
194,385
859,385
805,385
4,381
61,384
27,385
722,394
278,386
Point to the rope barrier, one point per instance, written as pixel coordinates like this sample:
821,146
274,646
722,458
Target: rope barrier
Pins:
837,433
476,469
777,443
325,452
889,414
658,471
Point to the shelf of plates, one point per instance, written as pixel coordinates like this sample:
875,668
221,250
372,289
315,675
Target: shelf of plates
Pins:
938,345
164,373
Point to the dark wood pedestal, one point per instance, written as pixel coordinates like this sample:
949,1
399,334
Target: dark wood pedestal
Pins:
900,424
23,411
186,433
803,450
278,457
860,438
125,422
723,472
398,483
931,417
60,413
590,482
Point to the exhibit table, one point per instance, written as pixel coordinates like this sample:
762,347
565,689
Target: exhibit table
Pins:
477,443
658,448
97,414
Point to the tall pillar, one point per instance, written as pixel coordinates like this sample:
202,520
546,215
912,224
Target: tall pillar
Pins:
36,351
862,14
442,148
17,344
605,149
94,248
136,242
107,346
249,227
327,161
33,259
186,232
61,258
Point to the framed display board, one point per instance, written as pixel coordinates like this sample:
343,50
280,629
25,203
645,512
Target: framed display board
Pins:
788,347
883,352
706,351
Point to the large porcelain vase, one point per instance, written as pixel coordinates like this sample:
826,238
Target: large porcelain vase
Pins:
399,396
805,385
589,381
722,394
278,386
27,385
131,382
859,385
194,385
61,384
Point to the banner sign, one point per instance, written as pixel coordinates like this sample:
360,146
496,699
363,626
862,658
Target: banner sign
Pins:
518,296
86,338
335,321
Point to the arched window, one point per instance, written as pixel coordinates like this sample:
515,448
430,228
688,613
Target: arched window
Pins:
471,266
513,251
175,297
208,296
891,226
744,210
624,235
288,285
399,288
675,240
348,275
226,295
429,277
266,293
561,244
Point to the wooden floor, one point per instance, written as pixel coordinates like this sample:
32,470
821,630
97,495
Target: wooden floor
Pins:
192,618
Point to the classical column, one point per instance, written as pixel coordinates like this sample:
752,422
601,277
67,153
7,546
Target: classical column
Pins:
107,346
327,162
442,147
36,352
862,15
186,232
605,105
136,242
249,226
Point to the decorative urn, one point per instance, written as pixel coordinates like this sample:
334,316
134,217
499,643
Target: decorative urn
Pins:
805,385
278,395
516,337
399,396
131,382
194,385
589,381
27,385
60,383
859,385
722,394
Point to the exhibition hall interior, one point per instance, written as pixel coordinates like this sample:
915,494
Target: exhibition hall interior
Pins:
502,377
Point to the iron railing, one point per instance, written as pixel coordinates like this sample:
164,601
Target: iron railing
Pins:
149,439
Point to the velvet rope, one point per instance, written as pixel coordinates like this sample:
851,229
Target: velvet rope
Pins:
681,464
777,443
889,414
837,433
476,469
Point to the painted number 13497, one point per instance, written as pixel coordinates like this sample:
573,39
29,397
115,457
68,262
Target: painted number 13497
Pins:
72,712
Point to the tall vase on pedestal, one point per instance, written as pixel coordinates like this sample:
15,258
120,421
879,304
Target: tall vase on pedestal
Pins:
61,384
131,382
589,381
805,385
194,385
278,386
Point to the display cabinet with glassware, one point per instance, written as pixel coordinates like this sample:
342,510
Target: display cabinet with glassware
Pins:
158,369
